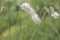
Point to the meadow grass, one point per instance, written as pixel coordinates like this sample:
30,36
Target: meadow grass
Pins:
15,24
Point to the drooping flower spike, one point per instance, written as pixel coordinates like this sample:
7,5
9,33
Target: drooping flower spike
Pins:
54,14
30,11
46,9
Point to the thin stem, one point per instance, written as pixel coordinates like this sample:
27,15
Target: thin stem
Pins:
54,29
36,28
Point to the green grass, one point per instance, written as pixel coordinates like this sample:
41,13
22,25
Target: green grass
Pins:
15,24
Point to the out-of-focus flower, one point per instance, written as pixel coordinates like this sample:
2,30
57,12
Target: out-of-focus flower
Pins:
46,9
54,14
8,0
30,11
2,8
24,26
18,3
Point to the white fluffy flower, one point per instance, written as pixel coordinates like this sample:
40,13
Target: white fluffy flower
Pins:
31,12
54,14
36,19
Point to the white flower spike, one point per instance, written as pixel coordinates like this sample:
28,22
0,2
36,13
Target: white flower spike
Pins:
31,12
54,14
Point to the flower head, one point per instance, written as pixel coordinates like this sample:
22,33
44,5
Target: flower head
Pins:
54,14
31,12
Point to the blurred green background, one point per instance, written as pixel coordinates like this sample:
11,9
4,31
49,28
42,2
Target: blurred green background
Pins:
15,24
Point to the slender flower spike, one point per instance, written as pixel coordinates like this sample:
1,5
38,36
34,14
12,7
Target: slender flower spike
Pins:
46,9
54,14
30,11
